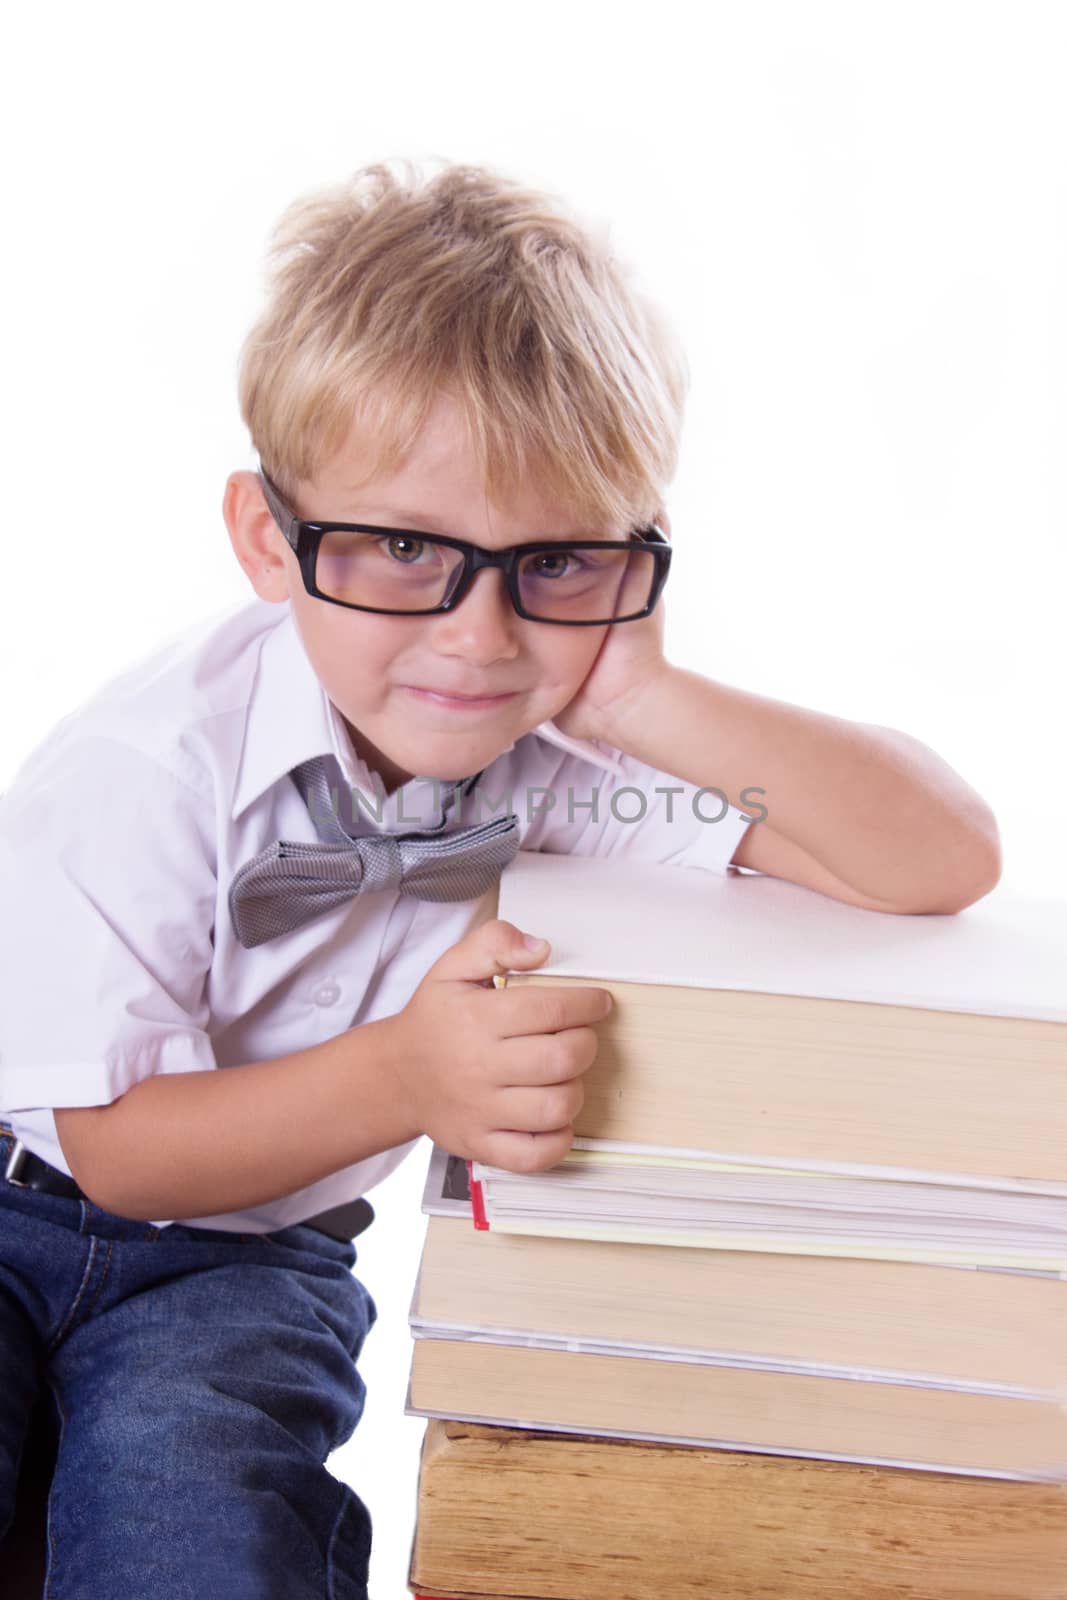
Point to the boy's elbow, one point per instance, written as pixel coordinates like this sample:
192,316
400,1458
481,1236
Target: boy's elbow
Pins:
990,863
978,875
83,1134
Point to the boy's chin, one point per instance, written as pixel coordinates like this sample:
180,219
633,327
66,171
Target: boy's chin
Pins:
450,759
453,768
443,754
448,753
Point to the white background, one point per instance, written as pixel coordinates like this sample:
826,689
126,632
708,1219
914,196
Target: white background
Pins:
856,215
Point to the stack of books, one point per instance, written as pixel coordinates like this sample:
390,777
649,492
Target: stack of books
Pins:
811,1243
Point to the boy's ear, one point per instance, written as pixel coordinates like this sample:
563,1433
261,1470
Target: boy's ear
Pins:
257,540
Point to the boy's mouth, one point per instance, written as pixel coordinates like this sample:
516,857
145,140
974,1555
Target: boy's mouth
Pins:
459,701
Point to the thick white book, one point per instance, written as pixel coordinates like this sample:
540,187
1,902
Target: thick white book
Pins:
785,1072
639,922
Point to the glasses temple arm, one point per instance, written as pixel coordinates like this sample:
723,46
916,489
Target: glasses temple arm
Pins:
281,513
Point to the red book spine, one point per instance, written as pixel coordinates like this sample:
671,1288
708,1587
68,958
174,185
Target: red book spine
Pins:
481,1221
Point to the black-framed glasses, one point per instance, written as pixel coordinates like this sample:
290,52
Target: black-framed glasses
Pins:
579,583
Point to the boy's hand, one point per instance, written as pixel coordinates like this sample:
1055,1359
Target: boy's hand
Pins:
494,1075
630,656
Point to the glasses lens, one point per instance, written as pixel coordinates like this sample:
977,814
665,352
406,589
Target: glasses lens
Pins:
589,585
387,571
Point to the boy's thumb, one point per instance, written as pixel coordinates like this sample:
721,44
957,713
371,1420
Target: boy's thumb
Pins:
491,949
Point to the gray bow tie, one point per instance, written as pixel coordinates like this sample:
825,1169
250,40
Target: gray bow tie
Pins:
290,883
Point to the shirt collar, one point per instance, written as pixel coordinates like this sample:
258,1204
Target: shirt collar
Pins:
292,719
289,720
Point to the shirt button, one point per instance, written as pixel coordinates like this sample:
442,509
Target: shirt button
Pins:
327,994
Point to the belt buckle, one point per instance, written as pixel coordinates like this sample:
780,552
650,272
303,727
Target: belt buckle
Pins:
14,1164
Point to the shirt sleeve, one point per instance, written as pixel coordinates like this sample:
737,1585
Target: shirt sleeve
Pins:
108,889
638,812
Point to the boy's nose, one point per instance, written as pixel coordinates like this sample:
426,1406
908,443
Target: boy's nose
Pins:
483,627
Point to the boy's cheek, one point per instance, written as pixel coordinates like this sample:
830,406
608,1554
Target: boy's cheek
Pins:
563,690
575,662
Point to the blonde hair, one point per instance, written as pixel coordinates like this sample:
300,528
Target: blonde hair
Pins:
388,292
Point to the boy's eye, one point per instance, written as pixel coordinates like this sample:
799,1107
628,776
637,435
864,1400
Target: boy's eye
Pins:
405,548
551,563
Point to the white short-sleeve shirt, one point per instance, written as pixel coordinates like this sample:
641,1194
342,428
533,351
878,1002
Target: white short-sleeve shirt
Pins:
119,837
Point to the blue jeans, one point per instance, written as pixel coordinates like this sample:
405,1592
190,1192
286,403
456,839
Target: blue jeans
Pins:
201,1379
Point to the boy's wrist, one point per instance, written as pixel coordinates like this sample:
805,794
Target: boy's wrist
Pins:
398,1054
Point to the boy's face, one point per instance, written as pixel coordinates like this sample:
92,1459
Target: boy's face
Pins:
382,672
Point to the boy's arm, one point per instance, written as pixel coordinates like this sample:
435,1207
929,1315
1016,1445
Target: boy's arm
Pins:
492,1074
188,1144
865,814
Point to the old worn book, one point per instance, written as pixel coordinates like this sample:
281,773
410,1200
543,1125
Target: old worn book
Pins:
785,1072
504,1514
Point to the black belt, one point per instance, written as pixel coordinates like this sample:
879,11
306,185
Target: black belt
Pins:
27,1171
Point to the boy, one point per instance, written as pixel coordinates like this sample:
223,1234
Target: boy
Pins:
240,855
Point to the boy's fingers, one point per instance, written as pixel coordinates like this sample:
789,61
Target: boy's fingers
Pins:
532,1061
548,1010
539,1109
527,1152
488,951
